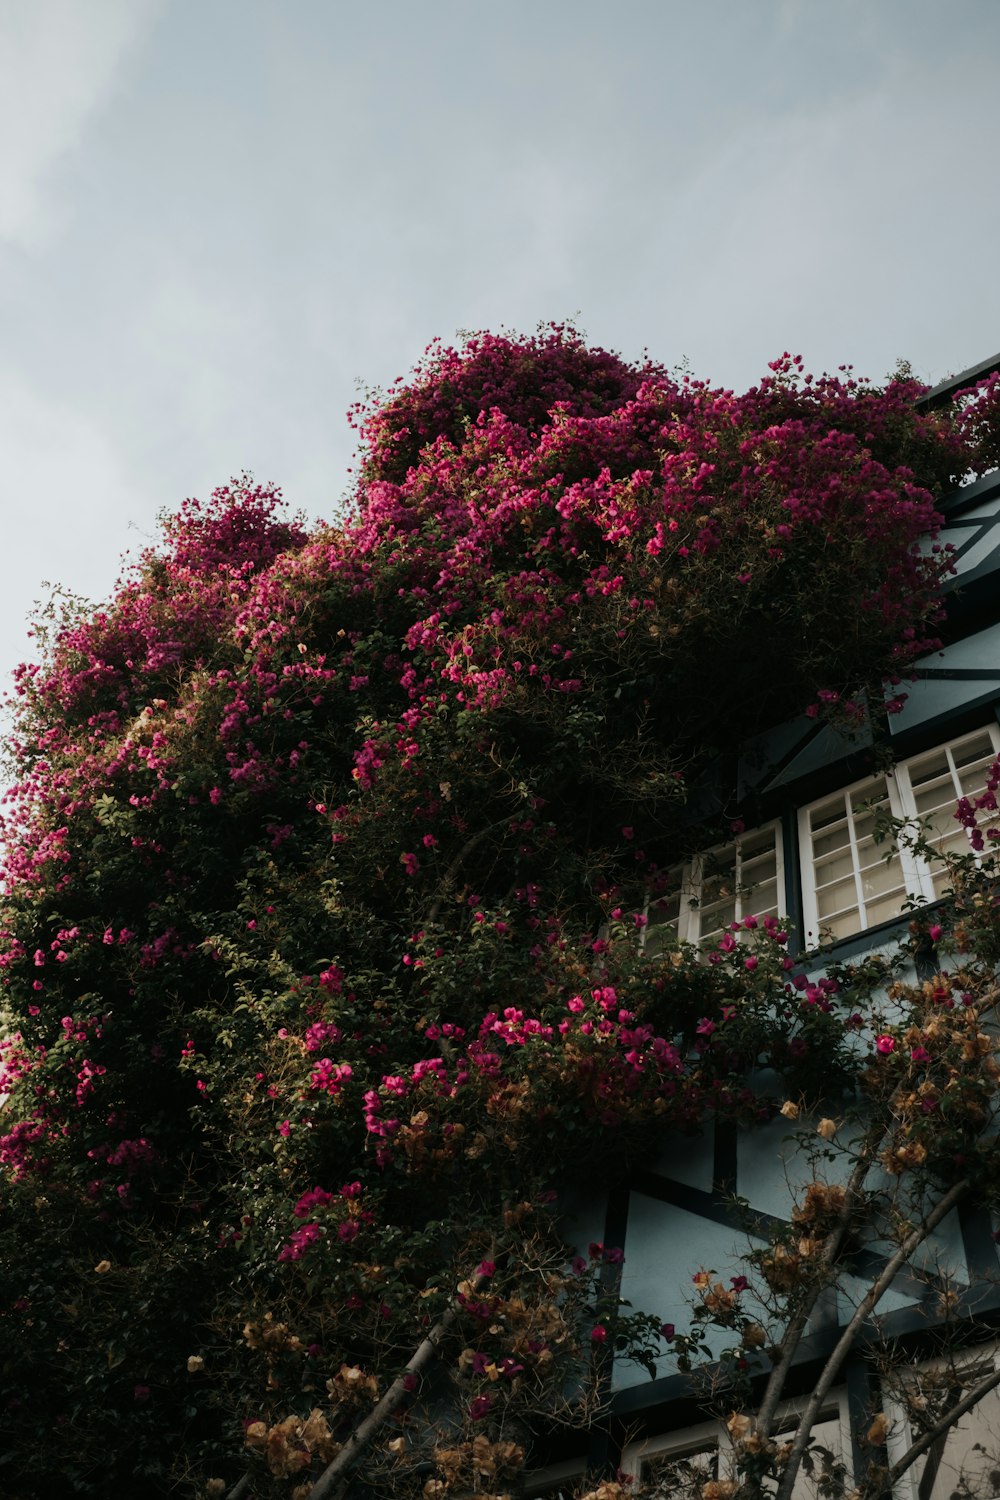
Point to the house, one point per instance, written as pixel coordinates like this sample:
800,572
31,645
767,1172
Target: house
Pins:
812,856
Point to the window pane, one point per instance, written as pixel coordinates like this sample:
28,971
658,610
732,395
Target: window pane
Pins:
835,928
834,869
849,865
756,845
764,900
964,1461
823,1474
683,1472
829,833
884,909
881,880
841,896
714,919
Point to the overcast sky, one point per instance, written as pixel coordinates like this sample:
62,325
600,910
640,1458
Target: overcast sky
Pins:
218,216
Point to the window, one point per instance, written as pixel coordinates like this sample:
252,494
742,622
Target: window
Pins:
680,1463
720,888
850,880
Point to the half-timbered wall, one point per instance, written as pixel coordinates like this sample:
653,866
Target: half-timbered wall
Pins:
676,1214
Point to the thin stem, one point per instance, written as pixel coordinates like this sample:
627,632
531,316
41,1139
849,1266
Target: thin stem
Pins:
448,878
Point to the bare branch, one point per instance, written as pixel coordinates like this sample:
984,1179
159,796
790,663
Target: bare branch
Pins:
796,1328
336,1473
851,1331
952,1415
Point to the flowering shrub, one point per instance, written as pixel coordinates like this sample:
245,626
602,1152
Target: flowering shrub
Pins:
326,863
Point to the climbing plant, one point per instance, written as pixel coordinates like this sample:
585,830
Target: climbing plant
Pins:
329,854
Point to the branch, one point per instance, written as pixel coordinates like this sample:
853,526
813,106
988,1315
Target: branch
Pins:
448,878
975,1393
850,1333
335,1474
796,1328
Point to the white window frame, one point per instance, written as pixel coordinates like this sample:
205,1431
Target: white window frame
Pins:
712,1437
917,873
691,877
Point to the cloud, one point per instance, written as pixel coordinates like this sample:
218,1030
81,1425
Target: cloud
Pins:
59,61
63,486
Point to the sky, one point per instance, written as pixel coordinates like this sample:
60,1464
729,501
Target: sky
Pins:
220,218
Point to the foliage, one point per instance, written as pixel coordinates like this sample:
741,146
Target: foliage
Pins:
327,867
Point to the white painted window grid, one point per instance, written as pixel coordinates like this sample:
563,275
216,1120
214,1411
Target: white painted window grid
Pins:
704,1445
851,881
725,885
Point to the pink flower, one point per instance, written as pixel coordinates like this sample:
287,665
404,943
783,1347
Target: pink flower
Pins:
885,1045
479,1407
598,1333
410,863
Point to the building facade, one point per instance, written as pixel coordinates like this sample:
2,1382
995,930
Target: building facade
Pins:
812,856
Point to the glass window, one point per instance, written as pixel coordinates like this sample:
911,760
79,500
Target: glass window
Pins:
680,1463
852,878
933,784
725,885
